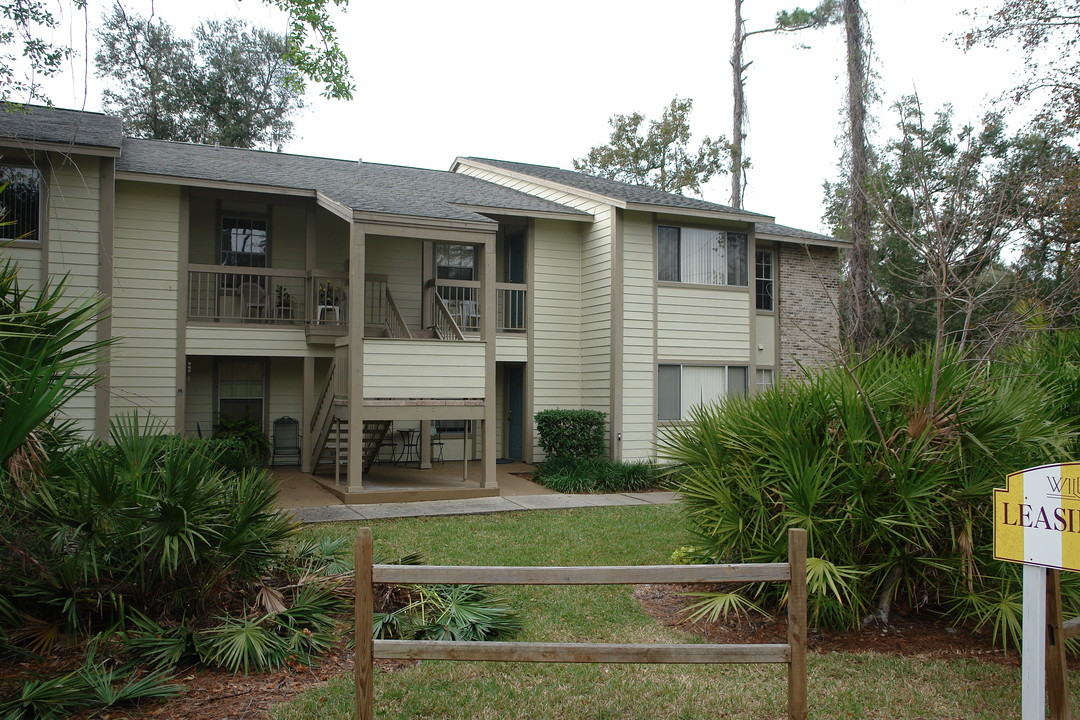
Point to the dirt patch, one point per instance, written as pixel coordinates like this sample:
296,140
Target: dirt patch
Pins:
929,637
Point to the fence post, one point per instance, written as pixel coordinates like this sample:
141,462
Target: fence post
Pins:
1057,687
797,624
363,603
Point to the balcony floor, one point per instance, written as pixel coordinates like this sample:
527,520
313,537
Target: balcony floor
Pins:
402,483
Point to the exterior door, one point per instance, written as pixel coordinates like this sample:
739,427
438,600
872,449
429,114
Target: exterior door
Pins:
515,410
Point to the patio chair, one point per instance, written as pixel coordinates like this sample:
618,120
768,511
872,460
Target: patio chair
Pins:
252,301
286,441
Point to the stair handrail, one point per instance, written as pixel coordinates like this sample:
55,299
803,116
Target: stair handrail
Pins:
322,403
395,322
446,328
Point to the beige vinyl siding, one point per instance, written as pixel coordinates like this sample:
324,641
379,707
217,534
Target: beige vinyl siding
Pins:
237,340
199,396
594,301
766,340
556,329
332,241
202,227
286,390
145,301
434,369
511,348
288,236
639,337
401,261
596,313
704,324
73,219
29,261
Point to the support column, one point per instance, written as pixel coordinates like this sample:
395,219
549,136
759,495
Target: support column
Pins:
307,442
180,417
106,223
423,445
488,296
355,316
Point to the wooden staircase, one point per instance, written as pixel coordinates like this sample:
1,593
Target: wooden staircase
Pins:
335,451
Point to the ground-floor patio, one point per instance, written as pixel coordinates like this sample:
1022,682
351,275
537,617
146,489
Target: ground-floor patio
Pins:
387,483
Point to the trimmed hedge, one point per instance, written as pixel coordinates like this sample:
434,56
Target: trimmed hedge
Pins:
598,475
572,433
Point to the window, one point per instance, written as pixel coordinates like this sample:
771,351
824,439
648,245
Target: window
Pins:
242,390
455,262
20,203
681,387
244,241
705,257
764,378
763,279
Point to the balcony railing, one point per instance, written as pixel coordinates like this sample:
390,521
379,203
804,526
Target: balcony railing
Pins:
266,296
510,307
462,301
271,296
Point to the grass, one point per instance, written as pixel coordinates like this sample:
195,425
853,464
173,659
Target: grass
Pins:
841,685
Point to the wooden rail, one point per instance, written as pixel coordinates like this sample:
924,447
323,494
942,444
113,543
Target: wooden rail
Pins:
793,653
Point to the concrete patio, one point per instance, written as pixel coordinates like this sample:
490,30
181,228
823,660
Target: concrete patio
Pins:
389,483
397,491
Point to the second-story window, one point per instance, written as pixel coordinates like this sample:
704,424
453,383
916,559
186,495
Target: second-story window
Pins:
763,279
703,257
455,262
245,241
20,203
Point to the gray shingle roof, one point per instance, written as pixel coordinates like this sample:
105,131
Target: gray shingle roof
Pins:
614,189
795,233
34,123
366,187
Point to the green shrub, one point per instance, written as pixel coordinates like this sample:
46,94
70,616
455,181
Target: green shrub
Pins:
571,433
248,437
150,522
597,475
466,613
889,467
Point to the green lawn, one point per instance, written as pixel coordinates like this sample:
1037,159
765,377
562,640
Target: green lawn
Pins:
841,685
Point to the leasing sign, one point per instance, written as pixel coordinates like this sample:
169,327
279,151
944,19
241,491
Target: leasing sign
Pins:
1037,517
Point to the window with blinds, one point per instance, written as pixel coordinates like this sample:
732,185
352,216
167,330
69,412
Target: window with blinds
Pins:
681,387
702,257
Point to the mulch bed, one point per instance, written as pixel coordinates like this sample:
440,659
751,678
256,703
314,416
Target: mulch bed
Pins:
218,695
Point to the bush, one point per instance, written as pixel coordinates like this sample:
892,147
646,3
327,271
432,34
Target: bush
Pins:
150,523
597,475
889,468
571,433
247,437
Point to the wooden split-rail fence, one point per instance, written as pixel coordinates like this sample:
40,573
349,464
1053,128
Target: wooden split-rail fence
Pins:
793,653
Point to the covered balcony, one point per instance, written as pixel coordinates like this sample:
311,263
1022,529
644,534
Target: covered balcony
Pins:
318,301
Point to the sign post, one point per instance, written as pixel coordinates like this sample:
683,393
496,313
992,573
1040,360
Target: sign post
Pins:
1037,523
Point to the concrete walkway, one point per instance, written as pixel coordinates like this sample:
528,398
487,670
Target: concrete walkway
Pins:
475,506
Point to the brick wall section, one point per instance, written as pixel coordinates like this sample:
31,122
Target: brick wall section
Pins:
808,302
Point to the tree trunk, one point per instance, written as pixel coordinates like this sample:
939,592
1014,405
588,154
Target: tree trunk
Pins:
738,113
859,255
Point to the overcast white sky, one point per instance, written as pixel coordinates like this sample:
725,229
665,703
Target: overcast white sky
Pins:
537,82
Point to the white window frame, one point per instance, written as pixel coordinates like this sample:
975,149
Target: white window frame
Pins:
765,287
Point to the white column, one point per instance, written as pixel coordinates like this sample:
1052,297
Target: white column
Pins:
1033,672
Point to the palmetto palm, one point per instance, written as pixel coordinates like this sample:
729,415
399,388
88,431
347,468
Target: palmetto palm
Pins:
889,467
